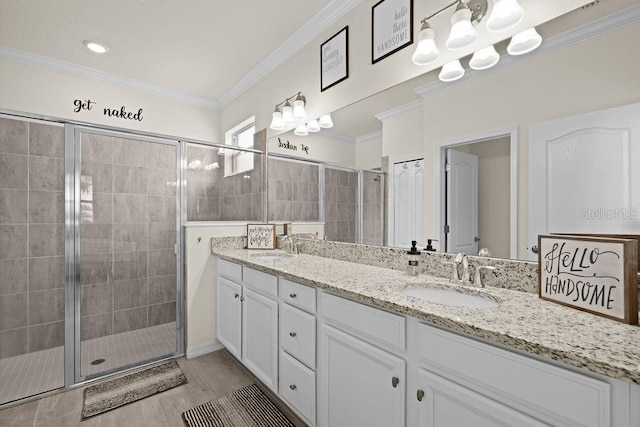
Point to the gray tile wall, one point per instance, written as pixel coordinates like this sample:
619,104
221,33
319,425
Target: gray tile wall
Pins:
372,197
128,233
31,236
212,196
340,203
293,191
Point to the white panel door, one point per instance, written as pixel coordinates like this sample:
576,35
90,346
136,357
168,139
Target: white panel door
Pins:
444,403
462,202
260,337
408,205
229,315
581,174
360,385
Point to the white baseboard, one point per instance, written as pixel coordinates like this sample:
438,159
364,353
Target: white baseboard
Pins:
200,349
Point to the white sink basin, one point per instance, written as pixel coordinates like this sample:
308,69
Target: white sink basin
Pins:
451,297
278,256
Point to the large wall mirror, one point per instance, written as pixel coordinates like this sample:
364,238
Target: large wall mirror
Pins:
491,121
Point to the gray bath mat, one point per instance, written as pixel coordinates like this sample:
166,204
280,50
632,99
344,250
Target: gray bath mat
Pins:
247,407
112,394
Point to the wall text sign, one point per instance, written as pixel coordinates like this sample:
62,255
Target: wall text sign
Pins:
597,275
122,112
293,147
391,27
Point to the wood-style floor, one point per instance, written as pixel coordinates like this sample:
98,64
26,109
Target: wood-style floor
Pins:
210,376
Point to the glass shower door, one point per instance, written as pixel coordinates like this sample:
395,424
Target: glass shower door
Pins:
127,259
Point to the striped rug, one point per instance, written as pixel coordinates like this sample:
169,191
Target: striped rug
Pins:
112,394
247,407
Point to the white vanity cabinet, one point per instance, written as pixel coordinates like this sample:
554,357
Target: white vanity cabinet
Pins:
362,383
247,319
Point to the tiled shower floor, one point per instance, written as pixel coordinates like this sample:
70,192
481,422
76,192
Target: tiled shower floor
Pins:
38,372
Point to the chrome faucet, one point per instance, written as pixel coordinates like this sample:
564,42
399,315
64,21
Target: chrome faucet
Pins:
460,258
288,245
478,280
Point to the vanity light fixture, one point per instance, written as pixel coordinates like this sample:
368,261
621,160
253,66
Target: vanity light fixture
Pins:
505,15
484,58
462,32
325,121
313,126
426,50
451,71
301,130
95,47
289,112
524,42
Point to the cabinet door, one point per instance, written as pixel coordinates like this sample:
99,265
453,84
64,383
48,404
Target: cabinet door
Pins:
260,337
445,403
229,315
360,385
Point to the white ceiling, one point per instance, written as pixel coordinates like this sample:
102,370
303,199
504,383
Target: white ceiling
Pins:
198,47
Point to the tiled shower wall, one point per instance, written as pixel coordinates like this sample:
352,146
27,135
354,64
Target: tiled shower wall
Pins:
128,233
293,191
372,196
340,203
213,197
31,236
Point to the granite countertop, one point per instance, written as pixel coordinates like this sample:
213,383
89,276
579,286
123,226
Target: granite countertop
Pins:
521,320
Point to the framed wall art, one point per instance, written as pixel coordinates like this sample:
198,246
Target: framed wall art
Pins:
334,59
391,27
261,236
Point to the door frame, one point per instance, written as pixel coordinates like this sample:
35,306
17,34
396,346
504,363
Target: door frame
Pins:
441,201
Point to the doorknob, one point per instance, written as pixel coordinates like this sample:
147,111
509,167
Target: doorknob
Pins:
476,239
534,249
292,334
395,381
420,395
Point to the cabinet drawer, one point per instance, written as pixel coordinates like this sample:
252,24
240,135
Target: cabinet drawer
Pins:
554,395
298,334
264,283
230,270
376,326
301,296
298,386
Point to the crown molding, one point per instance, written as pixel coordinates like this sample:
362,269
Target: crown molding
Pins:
368,137
50,64
333,11
615,21
399,110
338,136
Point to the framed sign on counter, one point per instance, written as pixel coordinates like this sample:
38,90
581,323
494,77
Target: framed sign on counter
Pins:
261,236
391,27
334,59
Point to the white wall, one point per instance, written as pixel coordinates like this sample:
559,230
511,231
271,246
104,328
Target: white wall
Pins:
34,90
322,147
369,153
599,73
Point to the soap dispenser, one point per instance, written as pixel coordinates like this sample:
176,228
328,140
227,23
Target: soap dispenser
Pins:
430,247
413,255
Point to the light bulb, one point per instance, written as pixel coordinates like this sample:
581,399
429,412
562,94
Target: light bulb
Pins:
524,42
485,58
451,71
426,50
287,114
505,15
313,126
462,32
301,130
298,110
95,47
276,121
325,121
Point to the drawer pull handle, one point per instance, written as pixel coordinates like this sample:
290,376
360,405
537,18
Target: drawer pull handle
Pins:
236,295
292,334
395,381
293,295
293,387
420,395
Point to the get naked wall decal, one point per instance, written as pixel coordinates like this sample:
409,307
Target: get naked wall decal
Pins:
334,59
122,112
596,275
391,27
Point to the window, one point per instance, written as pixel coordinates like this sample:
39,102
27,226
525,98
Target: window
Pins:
240,136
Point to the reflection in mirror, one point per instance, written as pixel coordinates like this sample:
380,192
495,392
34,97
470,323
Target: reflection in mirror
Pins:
293,190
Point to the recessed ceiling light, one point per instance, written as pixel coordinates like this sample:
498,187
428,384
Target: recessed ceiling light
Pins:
95,46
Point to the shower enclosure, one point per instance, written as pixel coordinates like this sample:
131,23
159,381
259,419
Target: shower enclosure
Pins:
89,253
